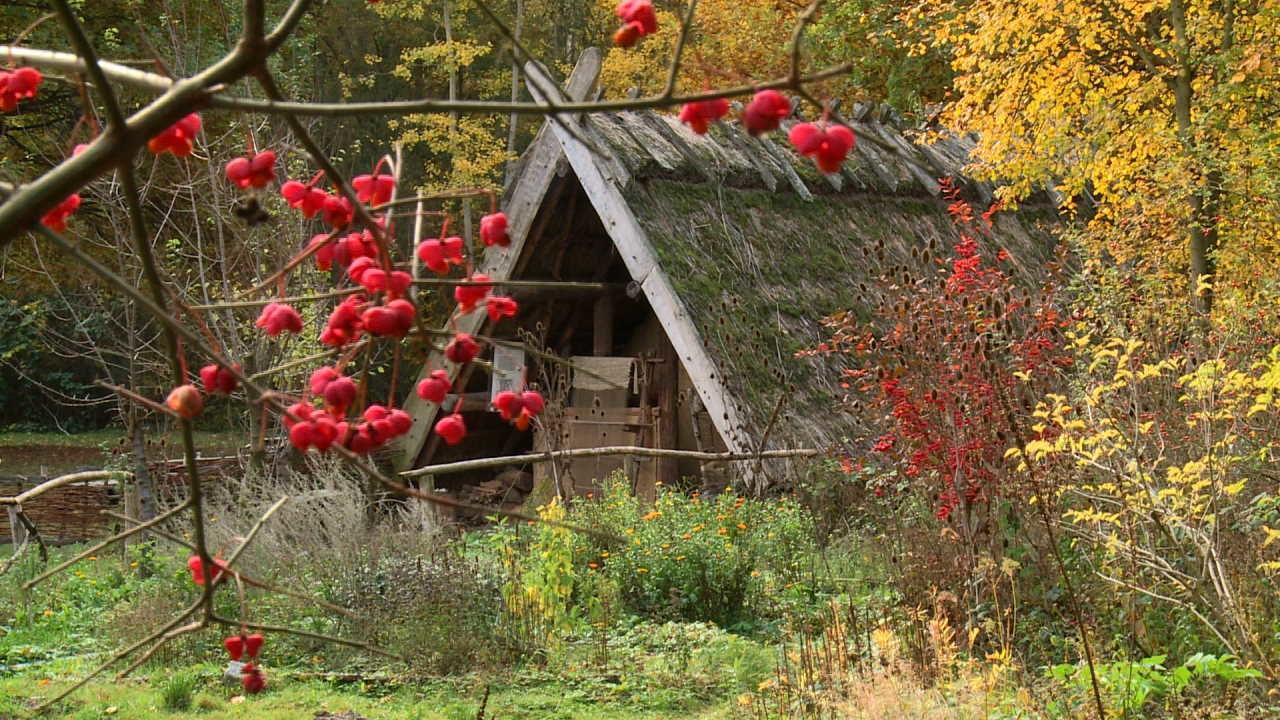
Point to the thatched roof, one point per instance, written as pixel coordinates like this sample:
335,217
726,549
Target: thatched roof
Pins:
742,246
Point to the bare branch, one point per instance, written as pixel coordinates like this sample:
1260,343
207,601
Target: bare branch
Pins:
93,549
58,482
465,465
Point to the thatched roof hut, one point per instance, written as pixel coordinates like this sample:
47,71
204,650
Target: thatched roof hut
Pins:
728,250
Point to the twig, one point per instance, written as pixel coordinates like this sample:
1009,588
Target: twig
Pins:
304,633
678,53
481,463
154,531
58,482
253,531
141,400
93,549
189,627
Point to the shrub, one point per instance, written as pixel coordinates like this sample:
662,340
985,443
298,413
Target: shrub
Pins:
177,692
695,558
540,579
441,612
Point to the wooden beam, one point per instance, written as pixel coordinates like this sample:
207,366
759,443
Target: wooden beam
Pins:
667,384
602,327
603,188
522,208
523,292
471,402
482,463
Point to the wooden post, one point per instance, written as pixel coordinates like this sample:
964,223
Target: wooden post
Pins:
602,330
667,383
16,529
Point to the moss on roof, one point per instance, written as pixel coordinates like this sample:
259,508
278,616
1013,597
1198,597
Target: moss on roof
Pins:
760,246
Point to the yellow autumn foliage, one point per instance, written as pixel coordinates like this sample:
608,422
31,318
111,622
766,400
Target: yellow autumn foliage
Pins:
1162,111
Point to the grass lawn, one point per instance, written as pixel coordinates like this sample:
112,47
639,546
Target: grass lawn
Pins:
525,695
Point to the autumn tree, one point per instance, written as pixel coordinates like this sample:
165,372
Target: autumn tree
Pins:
1161,110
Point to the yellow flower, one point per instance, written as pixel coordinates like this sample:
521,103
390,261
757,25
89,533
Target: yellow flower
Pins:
696,528
48,612
679,558
93,557
755,573
133,564
642,570
631,531
666,545
604,554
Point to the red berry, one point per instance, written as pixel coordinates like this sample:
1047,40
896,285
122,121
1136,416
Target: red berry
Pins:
323,255
493,230
468,296
337,211
452,429
217,379
434,388
828,145
344,323
628,34
252,644
339,394
278,317
462,349
765,112
186,401
398,283
257,171
301,197
300,411
321,378
252,679
21,84
56,219
197,569
373,189
400,421
639,12
178,138
508,404
533,402
233,644
438,255
391,320
698,115
500,307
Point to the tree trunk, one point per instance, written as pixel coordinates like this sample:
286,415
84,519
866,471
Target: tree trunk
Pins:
1202,225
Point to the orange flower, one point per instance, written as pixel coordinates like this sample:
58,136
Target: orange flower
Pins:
723,531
